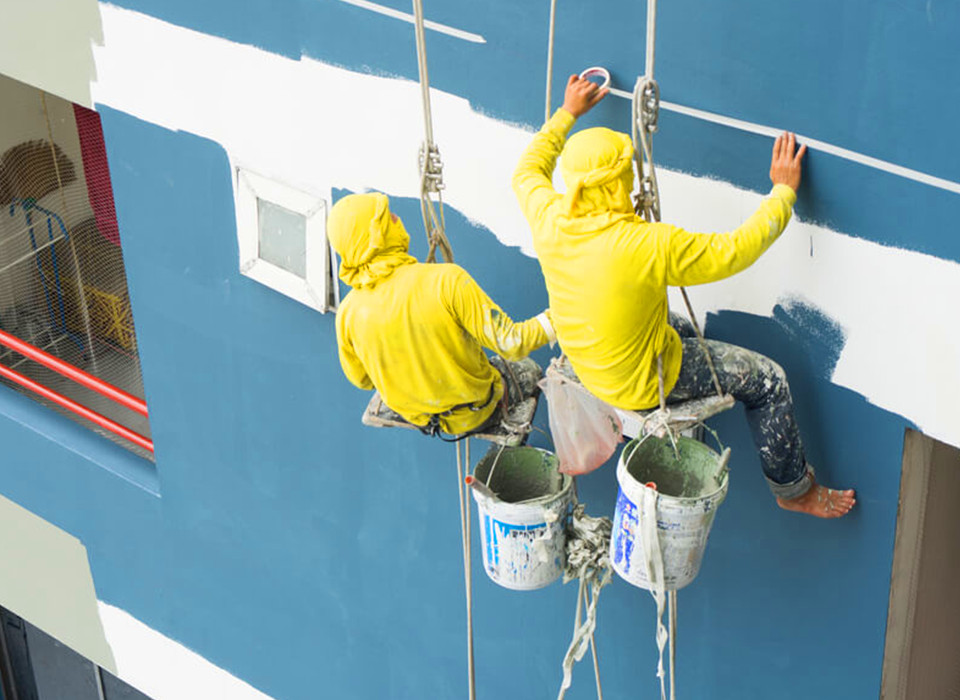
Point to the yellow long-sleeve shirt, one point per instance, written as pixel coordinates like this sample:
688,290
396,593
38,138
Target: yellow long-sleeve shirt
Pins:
418,337
607,274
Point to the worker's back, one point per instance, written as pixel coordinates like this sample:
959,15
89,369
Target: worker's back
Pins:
609,305
406,334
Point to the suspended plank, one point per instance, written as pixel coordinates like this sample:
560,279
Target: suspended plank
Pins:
512,429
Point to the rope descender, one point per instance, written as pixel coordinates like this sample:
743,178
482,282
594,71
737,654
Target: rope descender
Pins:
431,201
645,122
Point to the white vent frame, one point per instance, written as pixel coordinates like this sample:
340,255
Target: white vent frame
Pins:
319,290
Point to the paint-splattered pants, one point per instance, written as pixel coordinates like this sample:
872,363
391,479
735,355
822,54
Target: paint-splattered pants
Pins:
761,385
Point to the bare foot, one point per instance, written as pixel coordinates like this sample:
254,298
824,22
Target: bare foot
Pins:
821,502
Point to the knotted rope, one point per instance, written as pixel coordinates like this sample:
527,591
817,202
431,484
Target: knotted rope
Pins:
588,559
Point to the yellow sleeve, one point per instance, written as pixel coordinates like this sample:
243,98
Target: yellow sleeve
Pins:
533,177
487,322
697,258
352,366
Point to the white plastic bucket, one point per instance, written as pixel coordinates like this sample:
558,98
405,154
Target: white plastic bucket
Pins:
522,523
689,489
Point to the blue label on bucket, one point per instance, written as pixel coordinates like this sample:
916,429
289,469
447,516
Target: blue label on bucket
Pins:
498,530
626,519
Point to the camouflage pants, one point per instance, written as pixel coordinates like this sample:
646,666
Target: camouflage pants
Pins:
761,385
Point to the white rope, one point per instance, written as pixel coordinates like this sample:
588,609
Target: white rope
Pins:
653,557
430,164
467,579
651,36
588,559
645,108
672,604
553,17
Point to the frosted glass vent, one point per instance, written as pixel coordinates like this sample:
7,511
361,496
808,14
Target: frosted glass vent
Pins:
282,237
283,243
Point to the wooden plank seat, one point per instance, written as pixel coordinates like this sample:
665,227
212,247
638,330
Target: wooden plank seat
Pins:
680,416
510,430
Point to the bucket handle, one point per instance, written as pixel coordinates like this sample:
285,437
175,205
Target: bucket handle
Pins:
713,432
723,464
636,445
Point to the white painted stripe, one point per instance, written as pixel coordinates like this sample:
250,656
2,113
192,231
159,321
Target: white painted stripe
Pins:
284,129
811,143
406,17
165,669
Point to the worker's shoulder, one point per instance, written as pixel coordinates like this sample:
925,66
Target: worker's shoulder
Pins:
441,271
640,233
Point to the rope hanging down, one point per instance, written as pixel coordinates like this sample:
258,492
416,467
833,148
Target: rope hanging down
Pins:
644,123
467,578
430,164
588,559
553,17
645,108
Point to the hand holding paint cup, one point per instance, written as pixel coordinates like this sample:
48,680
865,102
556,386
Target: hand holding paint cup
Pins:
581,95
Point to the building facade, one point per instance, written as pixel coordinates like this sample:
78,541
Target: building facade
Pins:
267,544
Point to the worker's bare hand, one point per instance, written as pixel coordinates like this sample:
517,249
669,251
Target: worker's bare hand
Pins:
581,95
785,164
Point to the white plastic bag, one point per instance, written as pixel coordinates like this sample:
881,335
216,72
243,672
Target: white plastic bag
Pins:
586,431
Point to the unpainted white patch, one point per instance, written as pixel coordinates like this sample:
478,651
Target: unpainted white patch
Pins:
313,125
163,668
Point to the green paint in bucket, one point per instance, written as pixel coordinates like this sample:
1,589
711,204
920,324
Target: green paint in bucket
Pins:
522,525
691,483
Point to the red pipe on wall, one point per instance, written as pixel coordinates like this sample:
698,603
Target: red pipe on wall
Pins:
78,375
71,405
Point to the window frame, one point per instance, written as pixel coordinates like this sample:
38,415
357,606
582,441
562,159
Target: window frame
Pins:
318,289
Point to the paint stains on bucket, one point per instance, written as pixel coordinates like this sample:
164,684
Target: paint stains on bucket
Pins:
522,524
691,483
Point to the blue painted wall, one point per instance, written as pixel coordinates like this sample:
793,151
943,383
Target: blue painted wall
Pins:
316,558
867,75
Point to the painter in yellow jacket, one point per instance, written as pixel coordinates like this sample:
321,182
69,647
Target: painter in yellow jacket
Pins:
416,332
607,270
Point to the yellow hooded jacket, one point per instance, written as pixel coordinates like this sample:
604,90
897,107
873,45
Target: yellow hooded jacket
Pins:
414,331
607,270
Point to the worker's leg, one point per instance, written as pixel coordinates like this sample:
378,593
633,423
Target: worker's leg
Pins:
761,385
682,325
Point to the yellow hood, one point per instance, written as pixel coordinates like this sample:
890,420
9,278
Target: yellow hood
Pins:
597,168
370,242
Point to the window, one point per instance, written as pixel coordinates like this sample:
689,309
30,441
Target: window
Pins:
68,338
283,240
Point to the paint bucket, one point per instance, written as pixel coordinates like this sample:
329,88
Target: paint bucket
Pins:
522,521
690,484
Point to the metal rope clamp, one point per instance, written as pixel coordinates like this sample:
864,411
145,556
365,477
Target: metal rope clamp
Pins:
431,167
646,100
648,92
